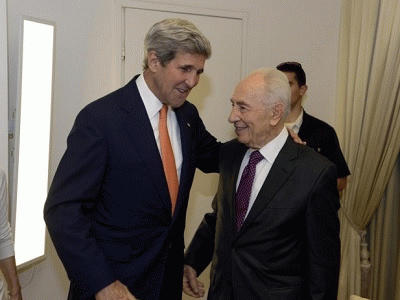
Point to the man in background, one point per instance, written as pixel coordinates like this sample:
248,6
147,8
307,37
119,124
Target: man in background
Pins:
316,133
117,206
274,229
7,253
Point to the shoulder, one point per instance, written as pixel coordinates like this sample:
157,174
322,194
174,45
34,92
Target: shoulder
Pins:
117,101
317,133
109,101
311,119
305,157
315,122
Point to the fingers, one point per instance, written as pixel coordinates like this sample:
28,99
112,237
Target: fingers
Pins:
295,137
191,285
115,291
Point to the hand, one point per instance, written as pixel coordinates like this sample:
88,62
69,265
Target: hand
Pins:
115,291
295,137
192,286
16,295
9,270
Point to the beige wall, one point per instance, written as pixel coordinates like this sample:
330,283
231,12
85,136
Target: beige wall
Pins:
86,67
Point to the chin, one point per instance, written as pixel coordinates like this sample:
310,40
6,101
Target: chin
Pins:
177,104
243,141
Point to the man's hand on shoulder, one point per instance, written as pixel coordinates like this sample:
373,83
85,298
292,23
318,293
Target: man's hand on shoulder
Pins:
192,286
115,291
295,137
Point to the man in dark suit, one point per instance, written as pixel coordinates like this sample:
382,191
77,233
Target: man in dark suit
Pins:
114,218
276,235
317,134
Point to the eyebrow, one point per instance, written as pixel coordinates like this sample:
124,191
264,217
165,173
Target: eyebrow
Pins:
192,67
240,102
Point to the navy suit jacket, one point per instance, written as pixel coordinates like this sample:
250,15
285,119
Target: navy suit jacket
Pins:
288,247
108,210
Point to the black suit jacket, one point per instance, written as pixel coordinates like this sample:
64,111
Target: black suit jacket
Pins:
320,136
288,247
108,210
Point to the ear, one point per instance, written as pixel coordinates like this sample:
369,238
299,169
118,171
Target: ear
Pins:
277,113
152,60
303,90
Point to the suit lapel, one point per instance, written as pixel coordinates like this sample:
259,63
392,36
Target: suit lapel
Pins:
234,162
185,133
304,126
277,176
138,128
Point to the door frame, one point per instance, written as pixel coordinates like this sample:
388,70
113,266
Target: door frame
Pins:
3,88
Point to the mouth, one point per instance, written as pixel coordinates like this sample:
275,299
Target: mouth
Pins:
239,129
183,90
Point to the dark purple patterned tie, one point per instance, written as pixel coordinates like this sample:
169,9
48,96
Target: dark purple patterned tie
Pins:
244,190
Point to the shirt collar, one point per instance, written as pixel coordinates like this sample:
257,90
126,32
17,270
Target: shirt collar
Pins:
271,150
295,126
151,102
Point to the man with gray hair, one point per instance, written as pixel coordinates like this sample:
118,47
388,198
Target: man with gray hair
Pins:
274,229
117,206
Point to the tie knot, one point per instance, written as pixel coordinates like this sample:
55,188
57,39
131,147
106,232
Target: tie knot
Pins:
255,157
163,111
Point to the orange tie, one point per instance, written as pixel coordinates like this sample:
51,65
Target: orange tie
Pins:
168,158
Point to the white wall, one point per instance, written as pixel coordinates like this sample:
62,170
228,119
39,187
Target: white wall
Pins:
86,64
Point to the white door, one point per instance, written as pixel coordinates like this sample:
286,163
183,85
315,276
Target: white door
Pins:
212,95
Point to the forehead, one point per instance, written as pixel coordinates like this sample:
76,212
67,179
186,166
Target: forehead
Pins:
250,92
291,77
189,59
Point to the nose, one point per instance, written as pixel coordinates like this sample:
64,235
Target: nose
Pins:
192,79
233,117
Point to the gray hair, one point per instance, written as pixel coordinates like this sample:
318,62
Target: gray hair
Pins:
169,36
277,88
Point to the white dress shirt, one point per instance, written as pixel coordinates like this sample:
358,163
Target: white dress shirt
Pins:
270,151
153,106
295,126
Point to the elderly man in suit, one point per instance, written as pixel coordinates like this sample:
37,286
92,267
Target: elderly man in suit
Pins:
116,208
274,229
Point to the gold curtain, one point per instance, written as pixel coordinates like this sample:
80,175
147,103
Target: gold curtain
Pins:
368,120
385,242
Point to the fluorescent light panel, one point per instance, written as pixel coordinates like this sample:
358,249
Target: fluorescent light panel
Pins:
34,140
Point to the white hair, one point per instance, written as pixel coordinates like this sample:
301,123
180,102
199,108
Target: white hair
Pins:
277,88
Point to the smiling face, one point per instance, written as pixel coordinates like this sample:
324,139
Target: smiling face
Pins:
255,120
172,83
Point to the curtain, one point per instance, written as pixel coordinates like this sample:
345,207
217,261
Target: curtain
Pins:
385,242
368,120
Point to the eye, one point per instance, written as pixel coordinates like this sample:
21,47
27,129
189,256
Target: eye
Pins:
240,107
243,108
186,68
